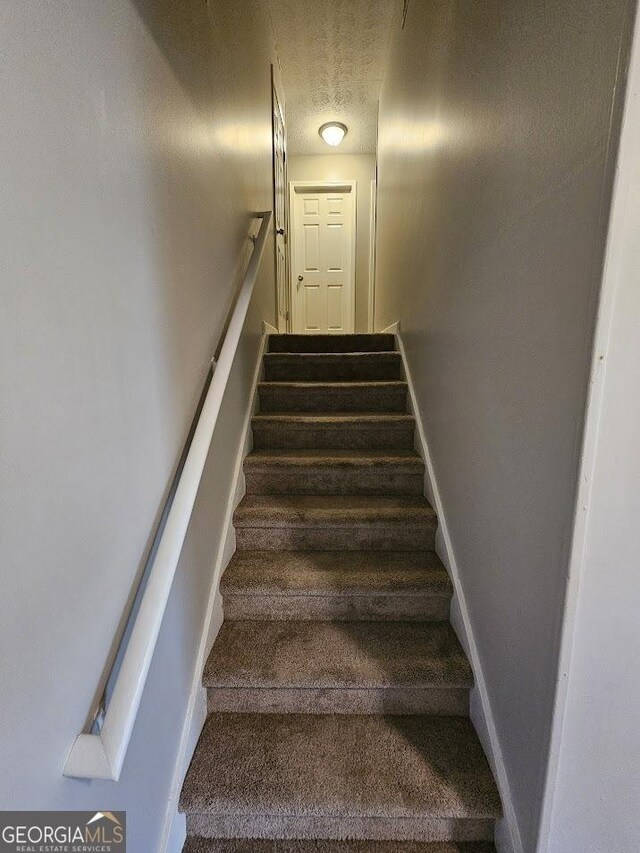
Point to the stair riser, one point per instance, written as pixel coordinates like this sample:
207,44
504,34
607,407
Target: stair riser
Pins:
251,845
373,537
346,368
331,343
292,399
341,437
337,608
442,701
327,480
374,828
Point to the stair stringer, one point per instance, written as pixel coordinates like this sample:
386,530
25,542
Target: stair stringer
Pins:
507,836
174,827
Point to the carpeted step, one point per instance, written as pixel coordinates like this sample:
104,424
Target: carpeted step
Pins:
253,845
369,776
383,396
338,668
331,343
338,691
327,431
336,585
334,472
334,523
331,367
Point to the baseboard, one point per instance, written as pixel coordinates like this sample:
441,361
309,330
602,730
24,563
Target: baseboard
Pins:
508,838
174,826
393,329
177,834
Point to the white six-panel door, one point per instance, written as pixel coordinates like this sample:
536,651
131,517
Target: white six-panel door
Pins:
323,257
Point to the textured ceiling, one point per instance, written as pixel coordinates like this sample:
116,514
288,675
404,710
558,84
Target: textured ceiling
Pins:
332,55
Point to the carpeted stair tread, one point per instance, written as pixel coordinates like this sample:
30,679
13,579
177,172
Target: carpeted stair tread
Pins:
334,522
378,396
334,472
354,766
334,585
365,396
353,430
255,845
300,385
333,655
329,366
304,419
328,385
308,456
332,343
335,510
318,573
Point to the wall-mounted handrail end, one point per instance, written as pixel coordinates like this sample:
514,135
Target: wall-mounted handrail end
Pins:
88,759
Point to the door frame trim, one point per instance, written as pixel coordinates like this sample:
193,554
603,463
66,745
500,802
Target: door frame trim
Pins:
277,98
322,186
373,216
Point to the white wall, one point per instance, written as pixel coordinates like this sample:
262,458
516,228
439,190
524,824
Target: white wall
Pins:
597,790
134,148
495,154
346,167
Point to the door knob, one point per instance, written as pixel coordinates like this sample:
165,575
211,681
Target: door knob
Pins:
300,277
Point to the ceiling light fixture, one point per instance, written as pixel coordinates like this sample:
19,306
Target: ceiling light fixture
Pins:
333,132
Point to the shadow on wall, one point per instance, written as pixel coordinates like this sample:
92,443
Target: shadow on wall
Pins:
207,171
195,207
135,179
493,190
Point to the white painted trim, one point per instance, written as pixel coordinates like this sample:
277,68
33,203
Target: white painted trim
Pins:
373,215
508,838
393,329
177,834
173,826
101,756
621,226
278,105
322,186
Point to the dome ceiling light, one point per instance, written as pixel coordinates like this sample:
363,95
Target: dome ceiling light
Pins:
333,132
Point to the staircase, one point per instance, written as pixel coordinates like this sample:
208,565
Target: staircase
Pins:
337,691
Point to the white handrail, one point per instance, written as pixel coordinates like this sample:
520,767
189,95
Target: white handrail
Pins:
101,756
